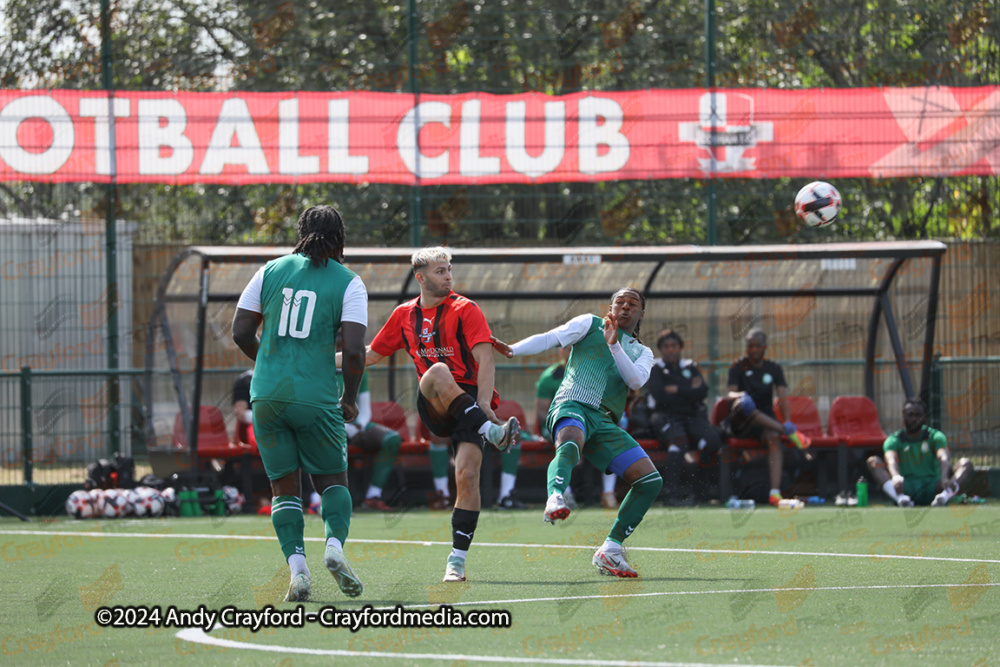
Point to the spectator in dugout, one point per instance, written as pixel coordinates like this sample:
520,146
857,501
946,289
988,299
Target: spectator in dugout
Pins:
753,381
917,467
679,419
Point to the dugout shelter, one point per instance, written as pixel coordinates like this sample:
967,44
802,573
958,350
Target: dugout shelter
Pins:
852,319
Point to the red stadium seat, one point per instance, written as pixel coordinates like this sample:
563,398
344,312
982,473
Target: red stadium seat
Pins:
391,415
806,417
213,439
854,420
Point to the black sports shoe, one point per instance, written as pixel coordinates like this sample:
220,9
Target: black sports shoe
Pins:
511,502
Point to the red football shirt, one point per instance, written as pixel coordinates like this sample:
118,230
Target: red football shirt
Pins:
445,333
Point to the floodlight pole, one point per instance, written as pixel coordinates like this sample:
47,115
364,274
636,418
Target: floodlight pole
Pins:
111,239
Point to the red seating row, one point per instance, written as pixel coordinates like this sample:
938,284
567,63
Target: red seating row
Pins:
853,422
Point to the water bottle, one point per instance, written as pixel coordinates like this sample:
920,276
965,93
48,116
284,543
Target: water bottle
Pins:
735,503
861,491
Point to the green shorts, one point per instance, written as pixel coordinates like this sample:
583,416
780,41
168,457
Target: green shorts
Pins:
921,490
292,436
603,440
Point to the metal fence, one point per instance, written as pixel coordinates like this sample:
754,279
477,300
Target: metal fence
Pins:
443,47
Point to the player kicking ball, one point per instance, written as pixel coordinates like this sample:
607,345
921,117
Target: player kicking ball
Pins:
607,360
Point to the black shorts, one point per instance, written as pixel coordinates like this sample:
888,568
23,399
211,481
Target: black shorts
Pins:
450,427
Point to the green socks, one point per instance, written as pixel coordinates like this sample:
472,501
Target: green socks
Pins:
561,467
638,500
386,459
289,526
510,459
335,508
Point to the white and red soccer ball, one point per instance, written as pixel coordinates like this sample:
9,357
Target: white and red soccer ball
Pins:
818,204
234,499
146,502
80,505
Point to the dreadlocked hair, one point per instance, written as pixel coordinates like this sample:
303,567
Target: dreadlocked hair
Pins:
642,302
321,235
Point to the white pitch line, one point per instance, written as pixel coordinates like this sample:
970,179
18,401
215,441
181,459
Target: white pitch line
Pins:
199,636
665,593
422,543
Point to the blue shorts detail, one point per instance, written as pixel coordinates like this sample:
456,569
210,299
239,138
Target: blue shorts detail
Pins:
570,421
621,463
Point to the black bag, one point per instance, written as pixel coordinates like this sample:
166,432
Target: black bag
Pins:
115,473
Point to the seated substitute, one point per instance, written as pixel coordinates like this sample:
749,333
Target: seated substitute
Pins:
241,407
753,380
677,393
370,437
917,468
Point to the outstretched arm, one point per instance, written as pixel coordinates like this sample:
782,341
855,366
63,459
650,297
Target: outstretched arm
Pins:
561,336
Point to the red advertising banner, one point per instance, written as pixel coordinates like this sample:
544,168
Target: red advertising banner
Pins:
475,138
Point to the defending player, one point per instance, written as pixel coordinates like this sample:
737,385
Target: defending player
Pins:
303,300
607,360
449,341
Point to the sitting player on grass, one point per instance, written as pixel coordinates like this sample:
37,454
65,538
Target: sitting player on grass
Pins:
917,467
607,360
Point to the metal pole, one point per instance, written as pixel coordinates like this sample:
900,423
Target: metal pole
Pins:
416,205
711,235
111,240
27,445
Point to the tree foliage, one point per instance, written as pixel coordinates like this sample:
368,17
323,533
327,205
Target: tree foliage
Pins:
510,47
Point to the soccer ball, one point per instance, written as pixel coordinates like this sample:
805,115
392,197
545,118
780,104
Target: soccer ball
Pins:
146,501
79,505
233,498
97,497
115,504
817,204
169,496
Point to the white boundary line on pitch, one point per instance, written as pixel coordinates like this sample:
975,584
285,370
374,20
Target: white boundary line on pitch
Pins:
199,536
722,592
199,636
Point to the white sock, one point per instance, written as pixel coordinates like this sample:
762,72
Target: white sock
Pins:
459,553
374,492
890,490
441,484
775,492
611,546
506,484
335,543
314,499
948,492
484,430
297,562
609,482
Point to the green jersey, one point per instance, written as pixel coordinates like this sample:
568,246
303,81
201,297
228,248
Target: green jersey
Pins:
918,457
549,381
302,306
592,377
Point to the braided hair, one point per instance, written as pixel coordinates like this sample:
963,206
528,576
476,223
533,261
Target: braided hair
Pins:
321,235
642,301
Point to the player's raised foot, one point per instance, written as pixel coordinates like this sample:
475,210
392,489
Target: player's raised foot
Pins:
774,499
454,569
504,437
342,573
299,588
904,501
555,508
613,563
